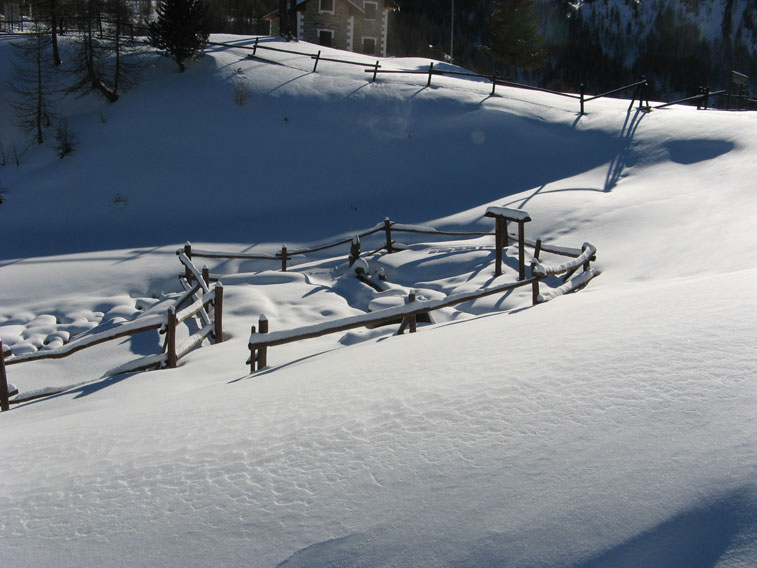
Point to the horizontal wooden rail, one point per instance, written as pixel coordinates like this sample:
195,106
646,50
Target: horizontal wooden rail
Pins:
378,317
145,323
588,252
616,91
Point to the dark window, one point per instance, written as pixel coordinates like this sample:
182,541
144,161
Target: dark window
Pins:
326,6
369,46
325,37
370,10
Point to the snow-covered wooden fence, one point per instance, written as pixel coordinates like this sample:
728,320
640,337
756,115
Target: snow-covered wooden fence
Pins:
198,300
575,274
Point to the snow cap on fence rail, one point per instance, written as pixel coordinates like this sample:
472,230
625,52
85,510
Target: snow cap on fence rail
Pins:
540,269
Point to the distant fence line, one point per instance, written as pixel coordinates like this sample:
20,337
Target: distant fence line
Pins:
374,68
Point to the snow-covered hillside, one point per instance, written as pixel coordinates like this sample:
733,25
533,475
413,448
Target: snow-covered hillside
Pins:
612,427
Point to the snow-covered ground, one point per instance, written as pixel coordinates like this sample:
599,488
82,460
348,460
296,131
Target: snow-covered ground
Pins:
612,427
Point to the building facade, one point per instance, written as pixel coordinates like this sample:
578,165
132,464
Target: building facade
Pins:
361,26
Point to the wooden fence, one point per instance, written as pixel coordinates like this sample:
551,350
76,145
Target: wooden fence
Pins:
198,300
575,273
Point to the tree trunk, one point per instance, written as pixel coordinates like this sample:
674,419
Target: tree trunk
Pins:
284,30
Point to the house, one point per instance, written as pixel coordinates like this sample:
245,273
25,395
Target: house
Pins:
355,25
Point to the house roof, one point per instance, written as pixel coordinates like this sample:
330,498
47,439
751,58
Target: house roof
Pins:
390,5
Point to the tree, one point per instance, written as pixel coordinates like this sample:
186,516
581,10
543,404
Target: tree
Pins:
32,83
90,54
514,36
181,28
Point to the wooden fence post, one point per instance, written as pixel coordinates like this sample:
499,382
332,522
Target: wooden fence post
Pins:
188,254
534,286
354,250
498,247
218,313
4,403
582,92
587,264
171,337
537,248
283,259
317,58
206,275
262,349
430,73
413,318
253,352
521,250
255,48
388,232
494,84
375,71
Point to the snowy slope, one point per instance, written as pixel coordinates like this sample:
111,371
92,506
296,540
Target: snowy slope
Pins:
613,427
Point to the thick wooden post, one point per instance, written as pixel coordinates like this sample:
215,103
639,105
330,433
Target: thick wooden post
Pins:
218,313
284,258
262,349
388,232
534,286
430,73
188,253
4,403
253,352
521,250
171,338
206,275
413,318
497,247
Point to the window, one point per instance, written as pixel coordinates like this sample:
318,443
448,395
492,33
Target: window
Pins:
369,45
326,6
326,38
370,10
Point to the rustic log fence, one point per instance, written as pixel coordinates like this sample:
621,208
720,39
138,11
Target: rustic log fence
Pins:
389,229
198,300
575,274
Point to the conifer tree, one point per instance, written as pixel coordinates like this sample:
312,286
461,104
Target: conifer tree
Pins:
181,28
515,38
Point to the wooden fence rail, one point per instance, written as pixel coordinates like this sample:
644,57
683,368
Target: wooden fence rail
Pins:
166,323
261,339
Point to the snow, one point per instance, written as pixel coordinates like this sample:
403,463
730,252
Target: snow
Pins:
611,427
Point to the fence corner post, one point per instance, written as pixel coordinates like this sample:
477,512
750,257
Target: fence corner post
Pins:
218,313
4,402
171,337
388,232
